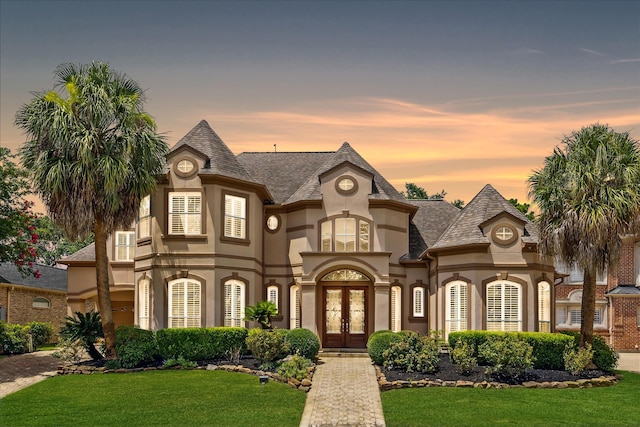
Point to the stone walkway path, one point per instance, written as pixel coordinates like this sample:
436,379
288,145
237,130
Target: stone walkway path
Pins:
344,393
20,371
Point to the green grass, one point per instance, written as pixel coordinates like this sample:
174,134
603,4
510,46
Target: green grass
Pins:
444,406
154,398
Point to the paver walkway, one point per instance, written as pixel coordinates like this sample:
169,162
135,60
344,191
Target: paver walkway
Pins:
20,371
344,393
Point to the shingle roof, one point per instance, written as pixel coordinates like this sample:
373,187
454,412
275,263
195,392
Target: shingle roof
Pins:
88,253
429,222
221,161
624,289
51,278
487,204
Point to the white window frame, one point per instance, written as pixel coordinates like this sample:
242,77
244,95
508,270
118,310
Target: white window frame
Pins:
144,303
144,217
568,312
185,210
457,307
186,311
235,216
337,229
295,307
498,316
234,303
125,245
272,295
395,302
544,307
41,302
418,301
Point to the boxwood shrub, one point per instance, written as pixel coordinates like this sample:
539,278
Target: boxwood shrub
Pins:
196,344
304,342
135,347
548,348
379,342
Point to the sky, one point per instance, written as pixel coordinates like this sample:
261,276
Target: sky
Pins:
447,95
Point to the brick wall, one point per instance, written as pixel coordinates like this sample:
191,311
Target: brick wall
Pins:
19,303
625,332
625,265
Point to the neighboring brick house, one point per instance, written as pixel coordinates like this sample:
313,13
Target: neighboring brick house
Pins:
27,299
617,316
326,238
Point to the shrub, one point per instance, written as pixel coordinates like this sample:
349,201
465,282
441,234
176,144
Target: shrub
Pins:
112,364
507,355
576,360
379,342
604,356
261,313
267,346
304,342
135,346
86,328
13,338
462,356
180,362
295,367
199,344
413,354
69,350
41,333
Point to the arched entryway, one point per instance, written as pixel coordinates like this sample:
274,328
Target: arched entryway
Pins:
345,309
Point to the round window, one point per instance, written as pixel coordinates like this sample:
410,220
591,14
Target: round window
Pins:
273,223
504,234
346,184
185,166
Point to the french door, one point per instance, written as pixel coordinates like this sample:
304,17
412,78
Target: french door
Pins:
344,316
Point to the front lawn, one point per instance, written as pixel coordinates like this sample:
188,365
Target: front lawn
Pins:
166,398
444,406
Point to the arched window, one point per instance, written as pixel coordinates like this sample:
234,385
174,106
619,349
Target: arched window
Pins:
396,308
143,303
294,307
342,275
418,301
457,307
345,235
544,307
272,295
234,302
504,306
184,303
41,302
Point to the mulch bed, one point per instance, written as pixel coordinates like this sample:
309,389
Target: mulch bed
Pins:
447,371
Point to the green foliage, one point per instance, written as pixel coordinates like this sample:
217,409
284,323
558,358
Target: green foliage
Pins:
13,338
267,346
413,354
69,350
113,364
180,362
462,356
416,192
52,244
604,356
86,328
577,359
135,346
507,355
458,203
304,342
524,208
196,344
41,333
380,341
295,367
262,313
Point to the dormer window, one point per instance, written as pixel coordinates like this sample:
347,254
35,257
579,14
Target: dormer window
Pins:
504,234
346,185
185,167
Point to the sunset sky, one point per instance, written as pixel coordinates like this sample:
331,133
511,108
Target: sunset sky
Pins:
449,95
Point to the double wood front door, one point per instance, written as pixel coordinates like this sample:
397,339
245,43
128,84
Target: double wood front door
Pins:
344,311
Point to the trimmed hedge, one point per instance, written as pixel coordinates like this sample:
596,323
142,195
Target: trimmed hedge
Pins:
135,346
304,342
548,348
197,344
604,356
379,342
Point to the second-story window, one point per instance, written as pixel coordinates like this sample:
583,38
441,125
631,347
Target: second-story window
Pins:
185,213
124,245
345,235
144,217
235,217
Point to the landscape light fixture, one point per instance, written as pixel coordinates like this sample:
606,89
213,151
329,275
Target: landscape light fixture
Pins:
263,380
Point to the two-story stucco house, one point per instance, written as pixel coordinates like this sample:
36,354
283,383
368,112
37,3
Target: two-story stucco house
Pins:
326,238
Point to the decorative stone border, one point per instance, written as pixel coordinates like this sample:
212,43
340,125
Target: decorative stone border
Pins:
304,385
385,385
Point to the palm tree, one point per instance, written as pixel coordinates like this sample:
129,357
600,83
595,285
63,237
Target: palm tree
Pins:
92,155
588,194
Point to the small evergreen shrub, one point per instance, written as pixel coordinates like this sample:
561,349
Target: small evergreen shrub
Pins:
604,356
41,333
112,364
577,359
295,367
379,342
69,350
304,342
267,346
198,344
180,362
13,338
507,356
413,354
462,356
135,346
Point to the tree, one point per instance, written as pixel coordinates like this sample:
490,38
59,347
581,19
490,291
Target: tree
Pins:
17,231
458,203
524,208
92,153
588,193
416,192
52,244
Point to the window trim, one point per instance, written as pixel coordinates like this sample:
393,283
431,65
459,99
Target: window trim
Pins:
203,223
41,300
502,320
230,239
504,242
416,315
185,317
349,192
266,223
132,243
181,174
331,221
447,299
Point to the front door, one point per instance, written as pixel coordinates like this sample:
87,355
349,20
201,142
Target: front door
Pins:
345,319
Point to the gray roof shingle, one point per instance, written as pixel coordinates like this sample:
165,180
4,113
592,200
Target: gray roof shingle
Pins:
88,253
52,278
624,289
429,222
487,204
